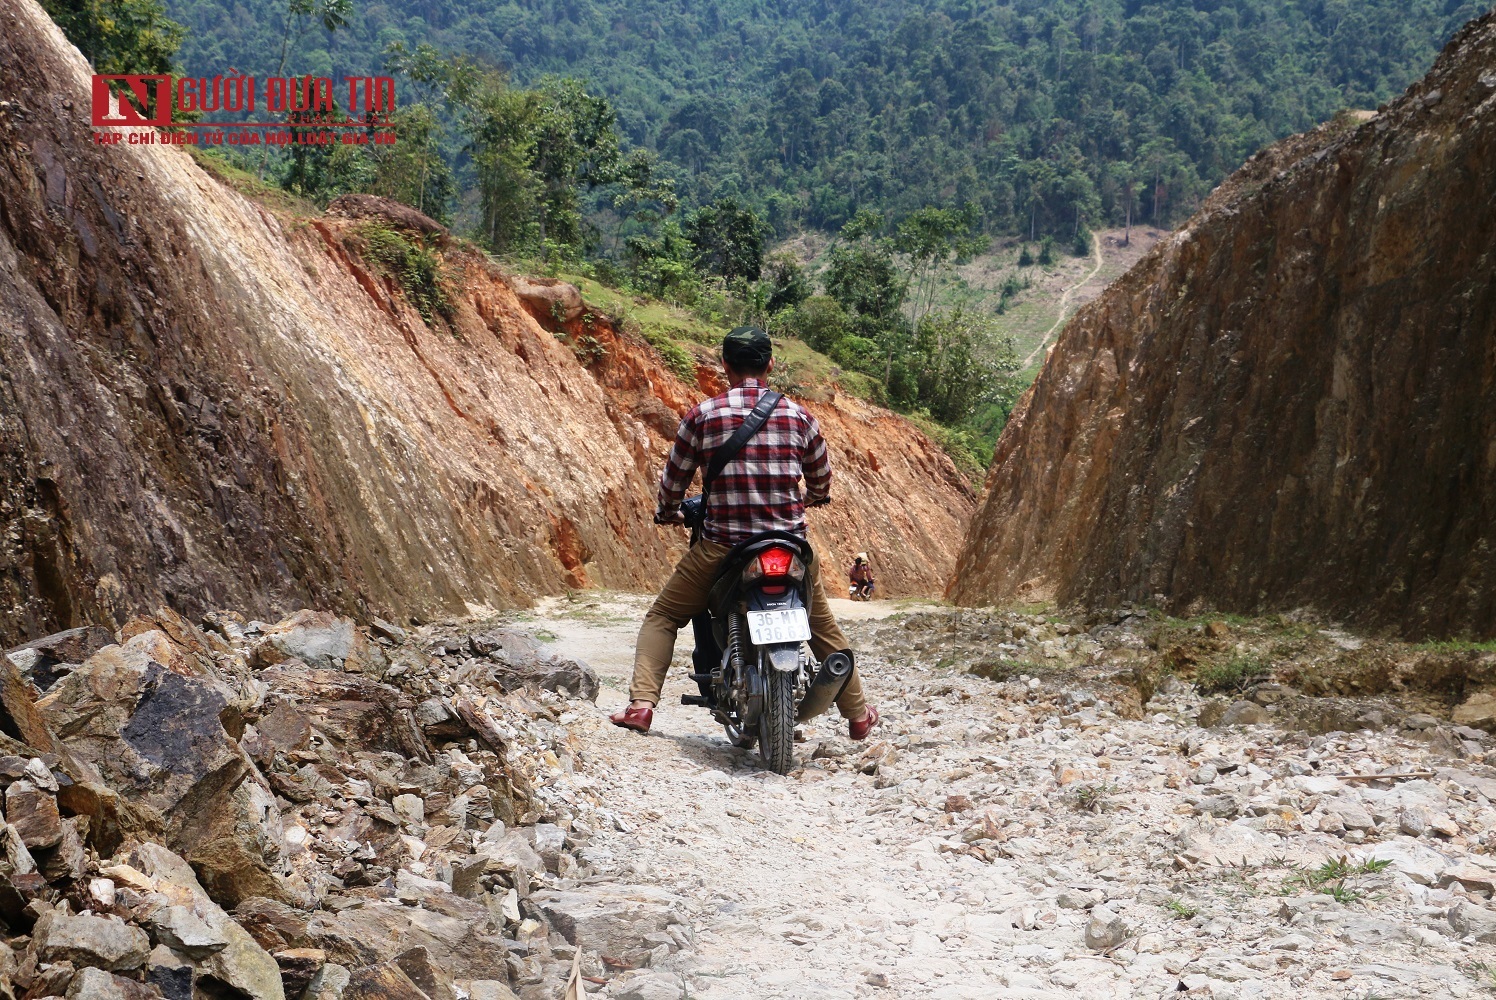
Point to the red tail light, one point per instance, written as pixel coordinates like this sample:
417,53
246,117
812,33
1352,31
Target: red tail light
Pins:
776,562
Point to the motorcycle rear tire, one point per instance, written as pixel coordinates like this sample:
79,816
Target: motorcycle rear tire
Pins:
776,726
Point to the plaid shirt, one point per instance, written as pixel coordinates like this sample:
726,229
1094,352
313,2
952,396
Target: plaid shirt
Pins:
759,490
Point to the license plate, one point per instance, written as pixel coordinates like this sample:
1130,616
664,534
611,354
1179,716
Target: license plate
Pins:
768,628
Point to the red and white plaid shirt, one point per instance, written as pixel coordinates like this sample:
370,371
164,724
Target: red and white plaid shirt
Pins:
759,490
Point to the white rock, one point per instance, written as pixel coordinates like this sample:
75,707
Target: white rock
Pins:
101,891
410,808
1105,930
1421,864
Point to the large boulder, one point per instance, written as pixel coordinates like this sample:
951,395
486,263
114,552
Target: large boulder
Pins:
319,639
553,303
459,935
148,718
521,662
1478,711
614,920
96,984
371,206
86,940
197,929
42,661
348,710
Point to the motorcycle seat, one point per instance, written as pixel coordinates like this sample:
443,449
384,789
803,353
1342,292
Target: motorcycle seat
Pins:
738,556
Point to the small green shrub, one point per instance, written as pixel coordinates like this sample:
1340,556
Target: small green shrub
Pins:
1457,646
412,265
1235,675
1092,798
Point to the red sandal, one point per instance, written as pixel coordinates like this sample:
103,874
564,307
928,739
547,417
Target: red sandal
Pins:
637,719
859,728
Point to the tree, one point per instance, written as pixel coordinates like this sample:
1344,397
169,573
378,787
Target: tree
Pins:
861,273
534,152
574,144
644,196
820,321
303,15
953,376
415,170
122,36
728,241
501,145
664,264
929,239
789,285
321,172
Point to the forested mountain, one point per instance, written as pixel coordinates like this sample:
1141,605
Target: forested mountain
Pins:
659,146
1044,114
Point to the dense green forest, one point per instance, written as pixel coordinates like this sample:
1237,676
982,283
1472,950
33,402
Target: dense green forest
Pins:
663,145
1046,115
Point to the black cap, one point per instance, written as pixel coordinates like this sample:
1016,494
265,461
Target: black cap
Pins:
747,349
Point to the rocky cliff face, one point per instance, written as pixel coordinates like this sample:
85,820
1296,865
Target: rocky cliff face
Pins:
1291,402
206,404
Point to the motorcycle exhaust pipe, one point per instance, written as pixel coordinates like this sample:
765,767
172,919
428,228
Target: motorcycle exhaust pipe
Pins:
826,686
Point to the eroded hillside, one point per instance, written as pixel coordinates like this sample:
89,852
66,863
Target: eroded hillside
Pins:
206,403
1292,401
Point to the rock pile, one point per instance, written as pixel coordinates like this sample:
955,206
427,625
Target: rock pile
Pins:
299,809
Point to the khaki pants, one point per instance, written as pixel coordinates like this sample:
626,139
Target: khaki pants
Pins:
684,596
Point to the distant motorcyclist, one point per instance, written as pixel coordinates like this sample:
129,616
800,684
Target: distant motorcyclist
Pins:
758,491
861,576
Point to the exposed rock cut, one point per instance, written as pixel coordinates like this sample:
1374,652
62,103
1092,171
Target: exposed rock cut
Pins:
205,404
1292,401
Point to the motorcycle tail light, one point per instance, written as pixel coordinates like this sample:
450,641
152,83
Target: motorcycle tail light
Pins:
776,562
775,590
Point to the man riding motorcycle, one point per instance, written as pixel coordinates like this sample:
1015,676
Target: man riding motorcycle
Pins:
861,577
757,491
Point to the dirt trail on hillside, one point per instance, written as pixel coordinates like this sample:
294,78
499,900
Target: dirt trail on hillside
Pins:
1023,840
1065,301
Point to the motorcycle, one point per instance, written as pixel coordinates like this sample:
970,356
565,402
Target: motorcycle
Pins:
860,591
752,665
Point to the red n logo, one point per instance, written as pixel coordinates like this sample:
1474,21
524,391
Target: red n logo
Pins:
134,105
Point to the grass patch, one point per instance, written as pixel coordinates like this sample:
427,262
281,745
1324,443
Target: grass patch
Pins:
651,318
970,453
681,362
1092,798
1006,670
1235,621
1483,973
1337,878
1180,910
247,184
799,370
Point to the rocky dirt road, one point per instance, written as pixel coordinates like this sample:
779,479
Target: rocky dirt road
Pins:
1019,838
317,808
